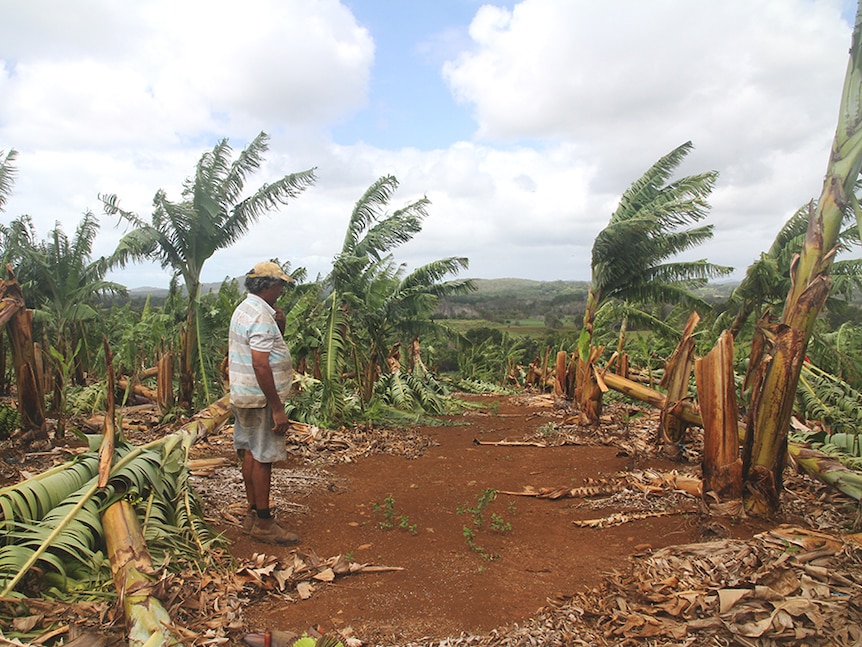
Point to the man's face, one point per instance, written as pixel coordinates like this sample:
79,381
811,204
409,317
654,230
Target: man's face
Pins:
271,294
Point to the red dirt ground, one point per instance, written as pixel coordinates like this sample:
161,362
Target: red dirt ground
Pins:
447,588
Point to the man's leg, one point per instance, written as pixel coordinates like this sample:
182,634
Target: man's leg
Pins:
261,476
257,477
265,527
247,467
247,470
255,435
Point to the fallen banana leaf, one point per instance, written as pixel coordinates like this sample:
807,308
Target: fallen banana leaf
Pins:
566,493
620,518
299,571
510,443
647,482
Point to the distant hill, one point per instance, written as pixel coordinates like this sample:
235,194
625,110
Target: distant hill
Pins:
509,298
526,287
161,293
514,299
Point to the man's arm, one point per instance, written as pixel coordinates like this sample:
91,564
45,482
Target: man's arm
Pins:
266,381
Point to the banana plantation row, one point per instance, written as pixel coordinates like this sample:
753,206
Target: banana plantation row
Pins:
365,335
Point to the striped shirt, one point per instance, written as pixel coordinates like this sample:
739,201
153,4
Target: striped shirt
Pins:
253,327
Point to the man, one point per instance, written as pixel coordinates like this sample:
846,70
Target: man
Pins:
260,373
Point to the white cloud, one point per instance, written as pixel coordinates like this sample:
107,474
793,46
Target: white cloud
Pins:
100,97
595,72
170,72
754,84
573,100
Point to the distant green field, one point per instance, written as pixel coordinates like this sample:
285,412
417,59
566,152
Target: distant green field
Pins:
526,327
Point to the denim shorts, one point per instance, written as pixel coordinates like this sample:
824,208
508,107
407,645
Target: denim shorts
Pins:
252,431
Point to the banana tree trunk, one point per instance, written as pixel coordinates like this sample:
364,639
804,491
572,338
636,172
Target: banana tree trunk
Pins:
716,395
188,339
147,620
676,379
622,358
815,463
31,401
560,368
139,389
588,390
4,385
685,409
109,427
777,371
827,469
768,419
370,373
8,307
623,365
585,340
165,385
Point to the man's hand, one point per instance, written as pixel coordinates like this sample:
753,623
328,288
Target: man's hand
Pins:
280,319
281,423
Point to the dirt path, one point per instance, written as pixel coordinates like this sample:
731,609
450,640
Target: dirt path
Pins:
449,587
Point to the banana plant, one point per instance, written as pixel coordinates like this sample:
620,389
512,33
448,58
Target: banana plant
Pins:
634,257
829,399
406,391
778,362
53,519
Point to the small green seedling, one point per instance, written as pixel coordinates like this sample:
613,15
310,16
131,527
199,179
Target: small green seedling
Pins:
390,518
548,429
498,524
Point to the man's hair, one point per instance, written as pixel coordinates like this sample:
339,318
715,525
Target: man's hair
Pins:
257,284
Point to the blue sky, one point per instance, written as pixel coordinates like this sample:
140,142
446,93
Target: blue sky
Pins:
522,121
410,104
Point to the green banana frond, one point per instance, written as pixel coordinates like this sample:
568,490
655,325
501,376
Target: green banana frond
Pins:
829,399
66,537
613,311
10,419
64,541
850,444
407,392
323,404
196,534
838,406
334,344
392,388
30,500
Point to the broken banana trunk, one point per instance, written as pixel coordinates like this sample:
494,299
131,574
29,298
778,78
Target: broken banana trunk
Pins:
147,620
716,394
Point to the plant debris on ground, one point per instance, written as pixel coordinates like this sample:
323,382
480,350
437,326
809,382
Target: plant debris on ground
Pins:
789,585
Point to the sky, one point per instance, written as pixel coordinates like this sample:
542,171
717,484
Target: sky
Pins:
521,121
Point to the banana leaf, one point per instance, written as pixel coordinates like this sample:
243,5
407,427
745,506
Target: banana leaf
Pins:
54,520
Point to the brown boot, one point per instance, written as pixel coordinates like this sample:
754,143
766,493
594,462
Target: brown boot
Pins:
248,520
269,532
